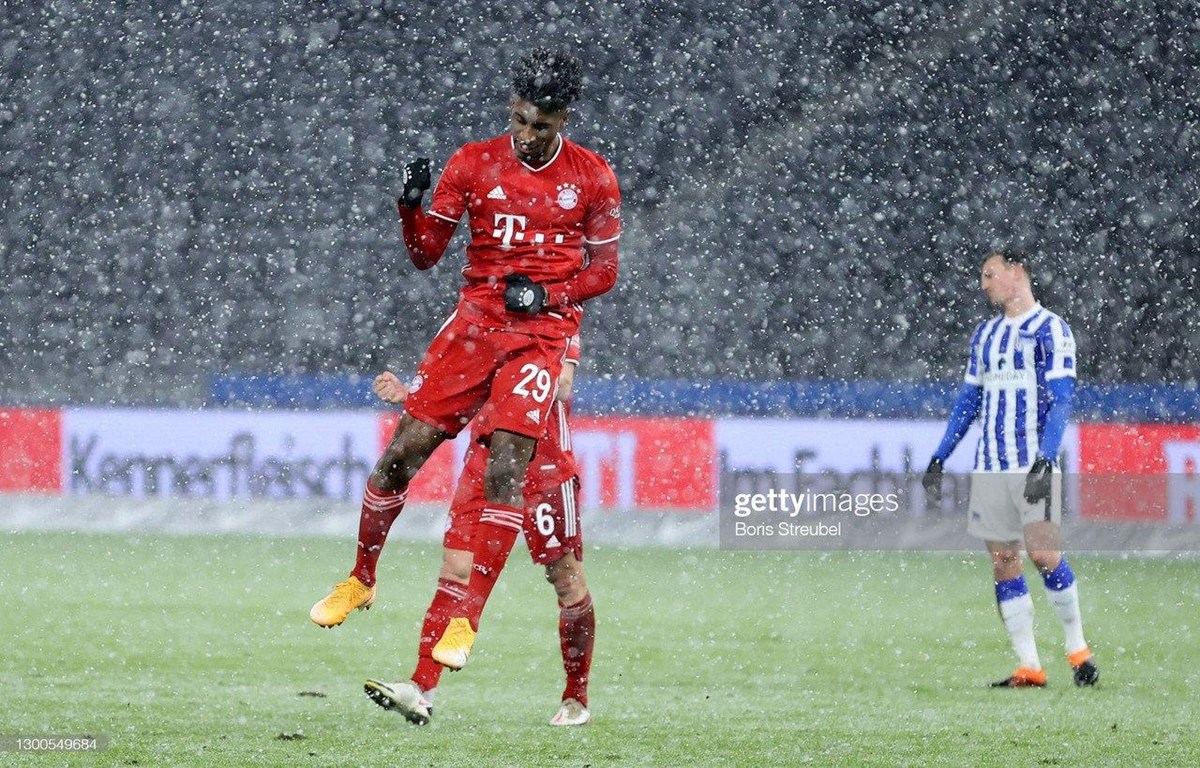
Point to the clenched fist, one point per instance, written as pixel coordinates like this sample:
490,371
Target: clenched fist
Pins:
389,388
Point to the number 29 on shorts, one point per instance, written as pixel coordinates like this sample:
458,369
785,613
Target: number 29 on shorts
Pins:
535,382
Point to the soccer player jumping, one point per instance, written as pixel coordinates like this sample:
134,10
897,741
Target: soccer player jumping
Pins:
554,536
1021,374
545,216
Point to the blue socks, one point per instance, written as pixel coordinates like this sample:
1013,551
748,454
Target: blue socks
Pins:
1060,578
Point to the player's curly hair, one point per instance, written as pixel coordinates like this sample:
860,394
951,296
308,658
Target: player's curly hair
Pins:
547,78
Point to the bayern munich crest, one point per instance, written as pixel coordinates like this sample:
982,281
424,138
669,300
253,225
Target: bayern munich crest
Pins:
416,383
568,196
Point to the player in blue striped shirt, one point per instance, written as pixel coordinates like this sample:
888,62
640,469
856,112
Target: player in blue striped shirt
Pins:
1020,380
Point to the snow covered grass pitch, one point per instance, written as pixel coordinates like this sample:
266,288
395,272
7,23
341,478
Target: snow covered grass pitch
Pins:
197,650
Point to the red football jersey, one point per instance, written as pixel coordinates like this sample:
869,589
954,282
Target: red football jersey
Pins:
533,221
553,461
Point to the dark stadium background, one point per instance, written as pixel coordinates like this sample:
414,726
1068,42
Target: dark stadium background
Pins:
202,188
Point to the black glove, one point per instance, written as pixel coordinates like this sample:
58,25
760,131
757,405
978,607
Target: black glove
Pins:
1037,482
932,481
523,295
416,181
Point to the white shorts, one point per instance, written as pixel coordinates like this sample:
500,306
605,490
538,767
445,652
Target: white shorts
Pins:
998,510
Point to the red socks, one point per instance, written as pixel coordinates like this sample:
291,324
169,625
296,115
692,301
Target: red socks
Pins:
498,532
379,510
499,527
446,601
577,634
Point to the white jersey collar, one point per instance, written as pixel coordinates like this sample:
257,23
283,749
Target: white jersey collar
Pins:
1021,318
550,162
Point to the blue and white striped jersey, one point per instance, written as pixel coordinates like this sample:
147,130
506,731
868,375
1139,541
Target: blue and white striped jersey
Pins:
1012,358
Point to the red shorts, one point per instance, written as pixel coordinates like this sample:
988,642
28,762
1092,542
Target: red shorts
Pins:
551,524
508,379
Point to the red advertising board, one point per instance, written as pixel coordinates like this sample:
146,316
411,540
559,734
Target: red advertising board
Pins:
30,451
646,463
1140,472
624,463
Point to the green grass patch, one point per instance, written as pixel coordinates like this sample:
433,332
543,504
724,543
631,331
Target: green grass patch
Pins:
197,650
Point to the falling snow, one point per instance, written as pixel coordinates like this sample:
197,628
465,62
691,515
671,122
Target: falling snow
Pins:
194,187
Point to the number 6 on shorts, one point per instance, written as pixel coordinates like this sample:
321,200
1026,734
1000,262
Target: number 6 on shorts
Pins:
544,518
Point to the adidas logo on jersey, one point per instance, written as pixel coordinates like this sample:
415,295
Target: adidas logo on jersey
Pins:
535,416
553,541
497,193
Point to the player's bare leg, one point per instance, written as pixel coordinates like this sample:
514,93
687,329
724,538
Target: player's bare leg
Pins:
1043,542
1016,610
500,524
505,476
577,634
410,447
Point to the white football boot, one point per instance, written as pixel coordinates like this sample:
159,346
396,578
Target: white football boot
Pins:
572,712
405,698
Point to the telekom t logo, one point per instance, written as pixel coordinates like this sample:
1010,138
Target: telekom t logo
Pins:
510,227
506,226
